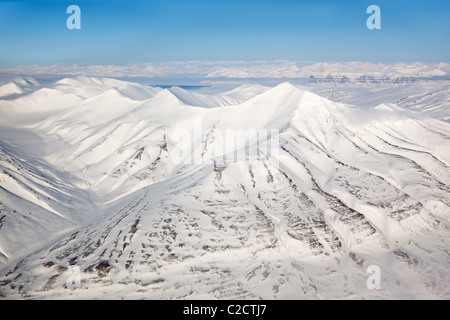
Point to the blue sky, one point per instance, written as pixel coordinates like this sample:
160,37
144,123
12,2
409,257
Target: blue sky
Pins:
128,32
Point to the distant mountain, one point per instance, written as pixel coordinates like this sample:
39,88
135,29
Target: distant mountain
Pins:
246,70
376,71
142,191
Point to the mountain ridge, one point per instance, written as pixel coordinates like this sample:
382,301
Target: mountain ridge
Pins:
345,187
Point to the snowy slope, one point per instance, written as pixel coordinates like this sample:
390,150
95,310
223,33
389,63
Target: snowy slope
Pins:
37,204
17,86
347,187
202,100
430,97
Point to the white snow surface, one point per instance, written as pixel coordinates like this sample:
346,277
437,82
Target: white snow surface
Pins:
88,180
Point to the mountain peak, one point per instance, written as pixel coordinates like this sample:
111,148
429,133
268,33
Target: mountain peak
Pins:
344,179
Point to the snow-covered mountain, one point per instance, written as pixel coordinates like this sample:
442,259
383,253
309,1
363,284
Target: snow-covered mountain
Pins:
245,69
139,191
355,70
431,97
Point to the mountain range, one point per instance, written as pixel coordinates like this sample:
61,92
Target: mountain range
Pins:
139,189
